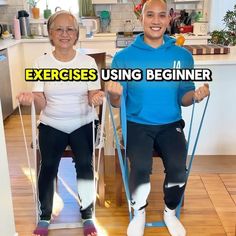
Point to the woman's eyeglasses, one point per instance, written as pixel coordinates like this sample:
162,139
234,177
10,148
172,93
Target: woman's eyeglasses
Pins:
69,30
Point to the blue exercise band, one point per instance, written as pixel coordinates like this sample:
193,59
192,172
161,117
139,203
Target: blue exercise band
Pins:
123,159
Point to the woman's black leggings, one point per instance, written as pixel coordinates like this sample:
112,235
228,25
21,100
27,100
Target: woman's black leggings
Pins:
52,143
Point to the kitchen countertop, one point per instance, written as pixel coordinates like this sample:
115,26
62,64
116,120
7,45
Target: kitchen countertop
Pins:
100,37
223,59
6,43
192,37
199,60
217,59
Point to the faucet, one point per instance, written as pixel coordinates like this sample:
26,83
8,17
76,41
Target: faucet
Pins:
57,9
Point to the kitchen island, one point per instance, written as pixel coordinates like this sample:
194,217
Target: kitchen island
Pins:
218,135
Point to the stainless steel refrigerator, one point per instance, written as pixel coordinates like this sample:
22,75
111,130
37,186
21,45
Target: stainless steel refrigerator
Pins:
5,85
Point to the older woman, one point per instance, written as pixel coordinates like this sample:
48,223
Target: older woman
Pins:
66,119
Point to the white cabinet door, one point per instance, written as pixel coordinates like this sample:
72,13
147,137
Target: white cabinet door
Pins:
106,46
18,84
31,52
34,50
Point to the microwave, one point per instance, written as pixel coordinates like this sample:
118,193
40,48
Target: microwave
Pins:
200,28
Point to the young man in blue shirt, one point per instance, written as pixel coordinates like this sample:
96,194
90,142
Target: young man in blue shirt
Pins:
154,118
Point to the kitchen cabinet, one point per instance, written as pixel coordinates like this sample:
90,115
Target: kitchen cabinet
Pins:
31,52
22,56
104,1
109,46
202,6
197,5
104,45
219,129
3,2
18,83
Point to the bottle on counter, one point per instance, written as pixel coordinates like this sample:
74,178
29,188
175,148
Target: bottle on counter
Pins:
16,25
199,17
39,30
128,28
82,32
45,30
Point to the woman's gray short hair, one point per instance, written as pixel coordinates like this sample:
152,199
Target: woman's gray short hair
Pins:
58,13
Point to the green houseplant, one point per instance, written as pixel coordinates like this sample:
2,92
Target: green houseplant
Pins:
226,36
34,9
33,3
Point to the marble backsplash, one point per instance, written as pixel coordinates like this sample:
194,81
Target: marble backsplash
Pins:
120,12
7,12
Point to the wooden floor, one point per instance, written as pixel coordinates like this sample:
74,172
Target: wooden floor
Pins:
210,199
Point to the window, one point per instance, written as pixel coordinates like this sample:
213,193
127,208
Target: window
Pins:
69,5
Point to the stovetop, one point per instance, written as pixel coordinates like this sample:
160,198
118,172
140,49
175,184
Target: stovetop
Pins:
121,33
123,41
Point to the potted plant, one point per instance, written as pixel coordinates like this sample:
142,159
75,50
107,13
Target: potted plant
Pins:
138,8
34,9
47,12
226,36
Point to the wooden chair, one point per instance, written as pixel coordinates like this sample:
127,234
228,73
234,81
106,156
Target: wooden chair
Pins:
100,58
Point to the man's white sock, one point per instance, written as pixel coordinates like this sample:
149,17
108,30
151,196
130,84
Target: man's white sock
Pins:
173,224
137,224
